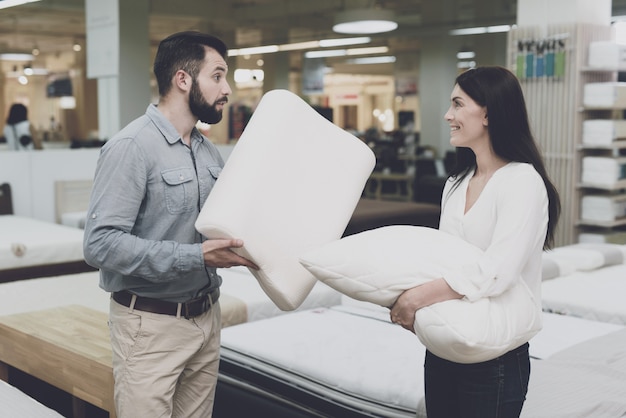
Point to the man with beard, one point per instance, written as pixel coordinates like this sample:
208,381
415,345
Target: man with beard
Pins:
151,181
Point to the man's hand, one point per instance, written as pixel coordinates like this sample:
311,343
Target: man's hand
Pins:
218,253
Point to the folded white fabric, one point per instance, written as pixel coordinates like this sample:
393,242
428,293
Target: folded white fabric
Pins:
551,268
290,184
587,256
378,265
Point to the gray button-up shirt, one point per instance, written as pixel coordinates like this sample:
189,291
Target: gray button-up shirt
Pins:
148,190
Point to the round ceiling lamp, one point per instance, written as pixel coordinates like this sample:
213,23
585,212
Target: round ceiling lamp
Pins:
364,21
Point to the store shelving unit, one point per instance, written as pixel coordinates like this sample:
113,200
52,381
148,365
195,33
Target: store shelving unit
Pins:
555,109
608,227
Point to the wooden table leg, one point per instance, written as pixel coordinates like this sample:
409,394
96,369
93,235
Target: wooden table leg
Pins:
79,407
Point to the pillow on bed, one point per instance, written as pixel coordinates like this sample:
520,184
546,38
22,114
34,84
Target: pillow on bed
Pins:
587,256
378,265
290,184
551,268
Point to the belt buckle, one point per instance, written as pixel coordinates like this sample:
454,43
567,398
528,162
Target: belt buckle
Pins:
205,305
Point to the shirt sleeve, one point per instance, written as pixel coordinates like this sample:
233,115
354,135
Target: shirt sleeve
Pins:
518,233
110,244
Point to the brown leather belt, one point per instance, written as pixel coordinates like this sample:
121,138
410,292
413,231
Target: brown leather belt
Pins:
189,309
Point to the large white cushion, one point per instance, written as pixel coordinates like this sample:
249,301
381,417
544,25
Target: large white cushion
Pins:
587,256
378,265
290,184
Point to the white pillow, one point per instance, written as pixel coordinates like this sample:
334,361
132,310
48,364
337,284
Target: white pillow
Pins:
290,184
553,267
587,256
378,265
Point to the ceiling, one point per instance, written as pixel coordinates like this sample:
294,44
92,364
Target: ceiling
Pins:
55,25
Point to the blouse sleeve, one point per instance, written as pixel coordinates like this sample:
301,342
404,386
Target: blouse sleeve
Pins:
518,225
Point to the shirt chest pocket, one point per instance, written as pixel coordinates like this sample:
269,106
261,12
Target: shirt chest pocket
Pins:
213,173
180,190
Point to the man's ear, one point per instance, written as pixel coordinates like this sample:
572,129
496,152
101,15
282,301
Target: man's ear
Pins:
182,80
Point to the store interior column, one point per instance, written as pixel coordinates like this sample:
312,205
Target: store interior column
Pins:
119,57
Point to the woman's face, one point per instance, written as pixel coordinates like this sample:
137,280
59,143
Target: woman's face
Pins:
467,120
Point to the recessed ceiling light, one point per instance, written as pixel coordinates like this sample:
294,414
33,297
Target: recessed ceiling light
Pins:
364,21
16,56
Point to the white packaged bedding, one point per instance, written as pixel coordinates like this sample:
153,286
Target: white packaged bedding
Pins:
603,131
603,171
603,208
607,54
607,94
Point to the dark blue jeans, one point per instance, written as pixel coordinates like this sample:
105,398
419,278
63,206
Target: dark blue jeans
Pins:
491,389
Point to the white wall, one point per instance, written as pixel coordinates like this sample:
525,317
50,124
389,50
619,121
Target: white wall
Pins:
549,12
32,176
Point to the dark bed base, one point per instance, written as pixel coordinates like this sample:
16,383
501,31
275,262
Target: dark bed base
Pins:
370,214
243,391
46,270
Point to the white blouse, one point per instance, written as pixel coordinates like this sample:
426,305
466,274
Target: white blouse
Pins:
508,221
12,133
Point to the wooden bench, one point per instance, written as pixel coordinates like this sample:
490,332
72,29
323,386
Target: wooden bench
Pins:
67,347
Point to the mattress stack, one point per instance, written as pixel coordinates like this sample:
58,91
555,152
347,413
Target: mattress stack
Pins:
602,132
608,237
603,171
603,208
608,55
74,219
605,95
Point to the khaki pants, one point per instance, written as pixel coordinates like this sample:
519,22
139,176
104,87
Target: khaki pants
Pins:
164,366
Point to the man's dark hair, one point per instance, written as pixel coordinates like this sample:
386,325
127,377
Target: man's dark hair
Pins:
183,51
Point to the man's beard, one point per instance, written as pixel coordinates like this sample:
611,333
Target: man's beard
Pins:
200,108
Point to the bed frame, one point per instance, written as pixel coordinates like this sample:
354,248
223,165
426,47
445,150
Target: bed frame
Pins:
249,393
70,196
6,200
45,270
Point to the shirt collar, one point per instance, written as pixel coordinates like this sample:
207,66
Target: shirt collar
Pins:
166,128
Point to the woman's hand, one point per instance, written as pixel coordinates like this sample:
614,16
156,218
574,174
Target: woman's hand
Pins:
409,301
403,311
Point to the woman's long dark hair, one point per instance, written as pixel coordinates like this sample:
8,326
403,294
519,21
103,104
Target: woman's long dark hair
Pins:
499,92
17,113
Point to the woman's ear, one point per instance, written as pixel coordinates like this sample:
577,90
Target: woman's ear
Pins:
485,121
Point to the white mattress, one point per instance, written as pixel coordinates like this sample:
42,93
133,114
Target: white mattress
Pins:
240,291
239,283
51,292
28,242
351,355
560,332
596,294
16,403
354,356
585,380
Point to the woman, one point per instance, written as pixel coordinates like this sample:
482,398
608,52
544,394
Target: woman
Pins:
500,199
17,130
